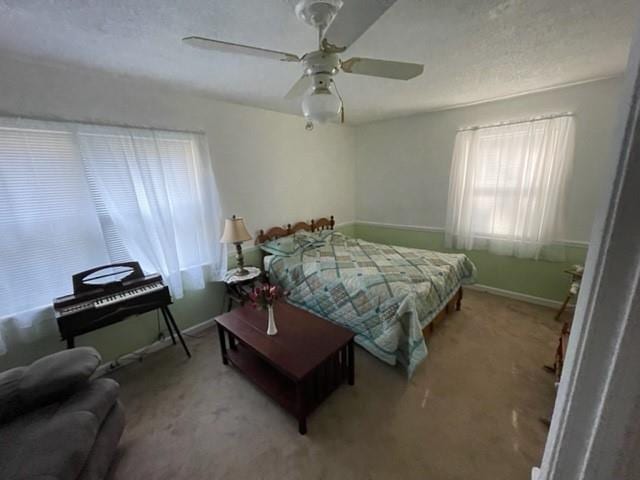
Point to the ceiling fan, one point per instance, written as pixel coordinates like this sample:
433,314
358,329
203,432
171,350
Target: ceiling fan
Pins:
339,24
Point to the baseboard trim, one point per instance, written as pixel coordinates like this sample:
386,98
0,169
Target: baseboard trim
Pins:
141,353
517,296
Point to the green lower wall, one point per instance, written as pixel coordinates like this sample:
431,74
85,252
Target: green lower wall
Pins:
137,332
134,333
123,337
538,278
348,229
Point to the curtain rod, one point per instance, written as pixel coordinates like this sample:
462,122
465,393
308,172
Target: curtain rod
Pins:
53,118
516,122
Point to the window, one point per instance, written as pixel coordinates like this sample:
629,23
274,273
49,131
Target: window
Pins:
151,185
48,225
76,196
507,186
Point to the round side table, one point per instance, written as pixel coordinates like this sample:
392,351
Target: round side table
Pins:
238,287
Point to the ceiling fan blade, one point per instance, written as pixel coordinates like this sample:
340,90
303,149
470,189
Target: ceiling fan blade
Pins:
299,88
382,68
352,20
228,47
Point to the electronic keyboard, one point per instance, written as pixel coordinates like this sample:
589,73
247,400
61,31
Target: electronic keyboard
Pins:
111,293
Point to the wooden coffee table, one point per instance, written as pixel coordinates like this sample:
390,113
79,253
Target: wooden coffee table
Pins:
298,367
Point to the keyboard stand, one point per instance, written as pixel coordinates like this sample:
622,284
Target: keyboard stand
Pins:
171,326
170,321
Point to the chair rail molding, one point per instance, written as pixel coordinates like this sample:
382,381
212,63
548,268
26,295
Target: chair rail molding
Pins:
431,229
595,429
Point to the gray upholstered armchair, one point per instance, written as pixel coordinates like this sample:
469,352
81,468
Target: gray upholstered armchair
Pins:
56,423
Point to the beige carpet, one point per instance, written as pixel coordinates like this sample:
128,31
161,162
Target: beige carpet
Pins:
470,412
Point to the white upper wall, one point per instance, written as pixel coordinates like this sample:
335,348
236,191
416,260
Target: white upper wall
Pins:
267,167
402,165
272,171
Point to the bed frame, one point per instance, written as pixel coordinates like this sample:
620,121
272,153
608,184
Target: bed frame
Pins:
325,223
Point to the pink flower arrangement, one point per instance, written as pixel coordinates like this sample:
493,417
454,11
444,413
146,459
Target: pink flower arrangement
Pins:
265,295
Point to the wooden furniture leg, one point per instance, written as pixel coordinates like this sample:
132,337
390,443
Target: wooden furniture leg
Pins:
229,302
352,366
574,287
223,346
301,407
564,306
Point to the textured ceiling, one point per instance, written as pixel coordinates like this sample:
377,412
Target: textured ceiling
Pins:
473,50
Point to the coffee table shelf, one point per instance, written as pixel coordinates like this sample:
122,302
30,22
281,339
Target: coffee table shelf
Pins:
264,376
299,367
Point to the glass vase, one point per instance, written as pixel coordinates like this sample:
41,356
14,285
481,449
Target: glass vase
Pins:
271,326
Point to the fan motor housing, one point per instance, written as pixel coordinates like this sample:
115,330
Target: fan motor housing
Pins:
321,62
321,82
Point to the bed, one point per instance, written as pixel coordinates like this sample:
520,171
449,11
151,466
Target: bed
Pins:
390,296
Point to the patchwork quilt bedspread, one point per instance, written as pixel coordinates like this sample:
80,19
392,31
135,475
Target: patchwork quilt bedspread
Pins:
383,293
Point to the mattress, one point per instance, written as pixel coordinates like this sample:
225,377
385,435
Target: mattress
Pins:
385,294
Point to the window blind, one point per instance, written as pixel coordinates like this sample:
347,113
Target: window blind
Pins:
49,228
75,196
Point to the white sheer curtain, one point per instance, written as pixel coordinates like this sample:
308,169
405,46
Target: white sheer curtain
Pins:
159,191
76,196
507,186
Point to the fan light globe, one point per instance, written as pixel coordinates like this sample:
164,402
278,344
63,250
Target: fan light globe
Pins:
320,106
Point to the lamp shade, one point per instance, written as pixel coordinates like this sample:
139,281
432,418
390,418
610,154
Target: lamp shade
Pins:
234,231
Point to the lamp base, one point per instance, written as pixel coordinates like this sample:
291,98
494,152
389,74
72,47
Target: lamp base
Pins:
240,261
241,272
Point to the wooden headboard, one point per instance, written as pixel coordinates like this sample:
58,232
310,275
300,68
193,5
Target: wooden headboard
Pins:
323,223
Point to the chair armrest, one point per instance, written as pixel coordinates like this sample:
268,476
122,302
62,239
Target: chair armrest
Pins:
45,381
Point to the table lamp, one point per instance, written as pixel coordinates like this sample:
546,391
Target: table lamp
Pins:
235,232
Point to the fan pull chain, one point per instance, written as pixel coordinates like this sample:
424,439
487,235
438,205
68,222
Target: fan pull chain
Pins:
341,101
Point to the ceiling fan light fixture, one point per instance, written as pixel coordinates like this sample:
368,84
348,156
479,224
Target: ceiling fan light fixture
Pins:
339,23
321,106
